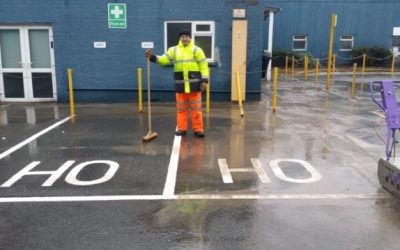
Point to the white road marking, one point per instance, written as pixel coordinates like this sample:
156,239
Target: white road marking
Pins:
32,138
54,175
193,197
242,170
378,113
223,167
315,175
260,171
226,171
364,144
71,178
169,187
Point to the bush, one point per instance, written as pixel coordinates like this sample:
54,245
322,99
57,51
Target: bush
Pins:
376,56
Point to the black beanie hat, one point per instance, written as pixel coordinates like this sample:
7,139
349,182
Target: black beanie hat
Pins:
184,32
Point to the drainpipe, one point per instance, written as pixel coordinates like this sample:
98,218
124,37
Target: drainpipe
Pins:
269,50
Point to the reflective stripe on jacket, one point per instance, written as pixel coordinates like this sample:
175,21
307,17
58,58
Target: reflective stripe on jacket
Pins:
190,66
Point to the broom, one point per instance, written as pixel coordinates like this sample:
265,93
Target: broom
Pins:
151,135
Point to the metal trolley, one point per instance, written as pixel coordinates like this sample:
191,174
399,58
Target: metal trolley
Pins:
388,172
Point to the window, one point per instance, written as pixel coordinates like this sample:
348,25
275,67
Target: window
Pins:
396,37
396,41
346,42
202,35
299,43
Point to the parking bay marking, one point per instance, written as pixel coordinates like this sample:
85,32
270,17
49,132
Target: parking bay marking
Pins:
169,188
33,137
113,166
194,197
227,177
71,177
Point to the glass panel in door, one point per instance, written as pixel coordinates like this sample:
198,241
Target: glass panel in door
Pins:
13,85
39,48
42,85
39,51
11,63
10,49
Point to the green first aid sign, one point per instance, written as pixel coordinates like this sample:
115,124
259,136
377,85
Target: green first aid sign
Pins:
117,15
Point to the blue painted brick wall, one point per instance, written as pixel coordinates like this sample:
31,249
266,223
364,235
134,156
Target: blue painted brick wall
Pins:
110,74
370,21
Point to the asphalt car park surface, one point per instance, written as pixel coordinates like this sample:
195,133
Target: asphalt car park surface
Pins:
303,177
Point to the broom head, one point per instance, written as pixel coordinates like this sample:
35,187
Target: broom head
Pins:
150,136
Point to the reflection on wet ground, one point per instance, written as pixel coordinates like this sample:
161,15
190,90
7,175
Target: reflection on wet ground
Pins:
303,177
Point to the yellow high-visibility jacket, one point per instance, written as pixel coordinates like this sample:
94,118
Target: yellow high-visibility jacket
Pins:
190,66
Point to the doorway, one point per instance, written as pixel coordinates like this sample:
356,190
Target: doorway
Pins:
27,71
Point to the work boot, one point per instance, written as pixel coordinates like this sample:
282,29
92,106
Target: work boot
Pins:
199,134
180,132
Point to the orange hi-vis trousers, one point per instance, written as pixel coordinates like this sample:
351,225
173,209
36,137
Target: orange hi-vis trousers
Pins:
184,102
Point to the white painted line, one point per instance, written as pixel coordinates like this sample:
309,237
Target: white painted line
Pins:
32,138
378,113
225,172
169,187
260,171
315,175
193,197
364,144
280,196
241,170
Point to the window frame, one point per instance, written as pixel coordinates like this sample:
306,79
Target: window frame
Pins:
341,39
194,34
294,39
395,41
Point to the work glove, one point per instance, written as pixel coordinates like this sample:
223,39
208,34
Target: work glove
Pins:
150,55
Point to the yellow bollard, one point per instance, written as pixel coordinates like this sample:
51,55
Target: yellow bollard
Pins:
275,91
208,92
393,63
292,66
330,49
305,67
316,70
140,99
353,82
71,93
239,93
286,65
363,65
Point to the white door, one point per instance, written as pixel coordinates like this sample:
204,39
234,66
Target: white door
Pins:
27,72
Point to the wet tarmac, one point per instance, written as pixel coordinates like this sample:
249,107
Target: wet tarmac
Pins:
301,178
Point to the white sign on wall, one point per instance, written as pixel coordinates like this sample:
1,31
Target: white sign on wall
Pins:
239,13
99,45
147,45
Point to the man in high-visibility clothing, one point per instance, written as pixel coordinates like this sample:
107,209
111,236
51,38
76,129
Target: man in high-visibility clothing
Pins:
191,78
